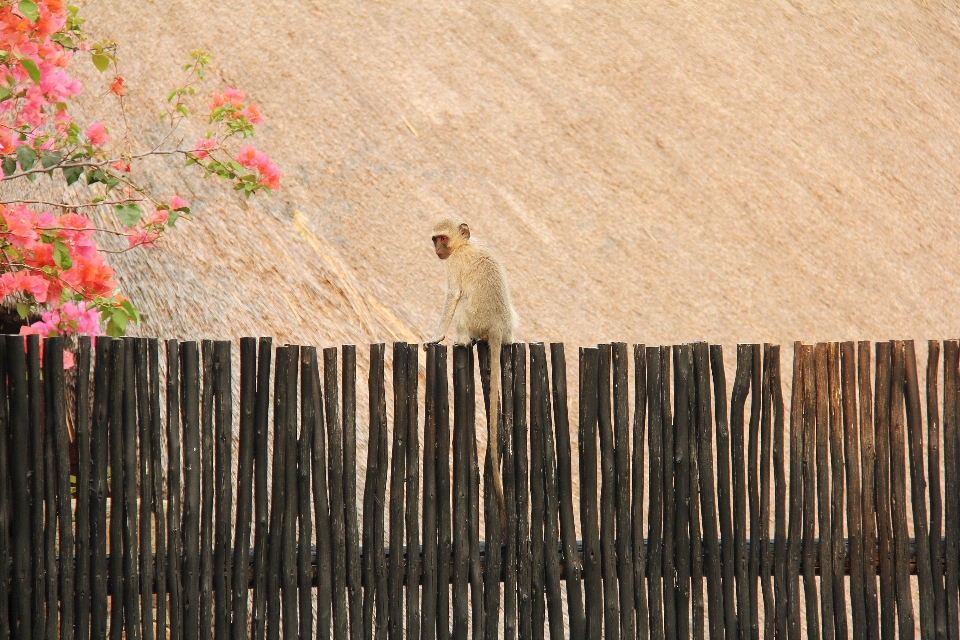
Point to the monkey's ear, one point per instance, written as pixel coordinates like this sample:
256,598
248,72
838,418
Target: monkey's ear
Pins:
465,230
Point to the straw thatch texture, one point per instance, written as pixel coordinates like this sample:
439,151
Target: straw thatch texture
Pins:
656,173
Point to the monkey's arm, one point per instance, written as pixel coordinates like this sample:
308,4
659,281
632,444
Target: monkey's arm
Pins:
449,307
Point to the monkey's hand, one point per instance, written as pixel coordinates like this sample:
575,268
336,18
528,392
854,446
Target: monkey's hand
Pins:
433,340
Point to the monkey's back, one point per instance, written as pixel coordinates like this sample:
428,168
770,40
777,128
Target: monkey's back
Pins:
486,303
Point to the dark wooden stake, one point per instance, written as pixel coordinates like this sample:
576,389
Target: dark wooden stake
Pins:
337,510
708,504
838,551
98,488
354,592
769,607
723,489
898,496
551,532
669,502
277,494
223,447
412,509
288,568
523,560
174,493
758,541
159,492
918,487
370,506
936,497
809,487
308,426
868,514
261,506
781,583
655,508
797,492
510,498
636,510
430,540
397,486
241,560
131,547
624,559
741,385
147,504
951,493
848,377
681,427
321,502
190,370
537,494
83,551
888,594
444,540
589,401
20,488
462,367
207,493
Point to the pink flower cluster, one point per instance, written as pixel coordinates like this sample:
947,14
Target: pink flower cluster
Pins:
31,41
29,238
235,100
254,159
97,134
68,318
204,146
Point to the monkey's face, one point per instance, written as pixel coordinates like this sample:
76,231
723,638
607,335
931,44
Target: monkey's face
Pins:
441,244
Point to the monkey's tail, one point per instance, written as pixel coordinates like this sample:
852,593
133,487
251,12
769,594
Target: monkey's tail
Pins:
493,421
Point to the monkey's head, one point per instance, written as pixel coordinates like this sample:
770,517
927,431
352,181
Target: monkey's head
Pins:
448,236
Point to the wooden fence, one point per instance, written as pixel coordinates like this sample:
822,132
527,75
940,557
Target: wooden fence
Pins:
696,518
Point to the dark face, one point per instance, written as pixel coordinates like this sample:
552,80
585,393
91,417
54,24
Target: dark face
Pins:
440,245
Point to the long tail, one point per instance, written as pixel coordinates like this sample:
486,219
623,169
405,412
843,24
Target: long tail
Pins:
493,421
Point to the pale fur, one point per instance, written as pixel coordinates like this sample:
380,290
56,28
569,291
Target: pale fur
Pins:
478,305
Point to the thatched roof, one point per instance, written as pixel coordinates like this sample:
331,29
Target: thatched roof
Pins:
648,172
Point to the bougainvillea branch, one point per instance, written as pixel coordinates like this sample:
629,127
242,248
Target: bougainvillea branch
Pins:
52,266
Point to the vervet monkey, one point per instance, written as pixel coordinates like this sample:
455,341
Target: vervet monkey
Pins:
478,304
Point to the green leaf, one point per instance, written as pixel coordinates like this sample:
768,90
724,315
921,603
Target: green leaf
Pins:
172,218
72,174
47,160
26,157
29,10
9,165
101,62
4,94
117,326
32,69
131,311
96,176
61,255
129,214
23,308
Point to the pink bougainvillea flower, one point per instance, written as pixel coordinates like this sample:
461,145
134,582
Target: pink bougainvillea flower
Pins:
97,134
270,176
142,239
204,146
252,113
247,156
117,86
176,202
7,142
159,216
235,97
